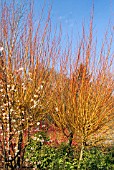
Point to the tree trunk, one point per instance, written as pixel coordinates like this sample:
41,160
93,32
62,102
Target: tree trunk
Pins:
70,139
81,155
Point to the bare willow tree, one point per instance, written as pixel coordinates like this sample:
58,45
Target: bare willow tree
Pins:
83,104
25,77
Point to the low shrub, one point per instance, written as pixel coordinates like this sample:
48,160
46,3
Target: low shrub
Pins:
63,157
43,157
95,159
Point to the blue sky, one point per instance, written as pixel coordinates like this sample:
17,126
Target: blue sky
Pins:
71,14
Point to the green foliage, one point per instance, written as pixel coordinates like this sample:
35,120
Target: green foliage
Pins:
47,157
44,157
33,150
95,159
